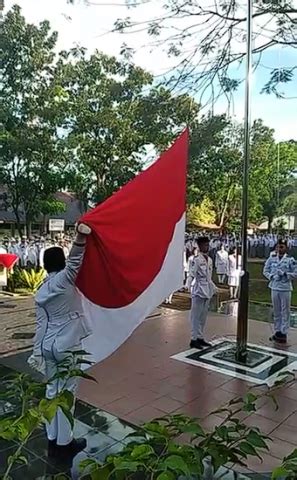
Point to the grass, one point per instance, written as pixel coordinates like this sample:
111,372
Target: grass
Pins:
259,291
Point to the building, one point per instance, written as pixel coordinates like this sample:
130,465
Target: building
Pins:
8,224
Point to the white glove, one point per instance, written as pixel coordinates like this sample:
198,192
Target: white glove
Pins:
84,229
37,362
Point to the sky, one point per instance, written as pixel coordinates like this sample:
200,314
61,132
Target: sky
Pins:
89,26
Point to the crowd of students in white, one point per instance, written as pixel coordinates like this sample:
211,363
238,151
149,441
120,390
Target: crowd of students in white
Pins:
224,251
31,250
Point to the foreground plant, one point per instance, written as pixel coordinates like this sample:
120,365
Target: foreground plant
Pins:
160,451
28,409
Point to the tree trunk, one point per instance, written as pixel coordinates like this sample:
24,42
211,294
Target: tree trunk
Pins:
223,213
18,222
270,220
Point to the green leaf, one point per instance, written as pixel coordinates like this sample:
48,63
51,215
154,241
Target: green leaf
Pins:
176,463
255,439
166,476
250,397
222,432
142,451
68,414
193,428
249,407
127,465
81,374
247,448
292,456
279,473
22,459
66,398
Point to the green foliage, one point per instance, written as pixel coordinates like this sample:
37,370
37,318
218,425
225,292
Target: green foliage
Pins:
215,173
75,121
160,450
31,162
207,43
113,113
30,407
31,279
201,214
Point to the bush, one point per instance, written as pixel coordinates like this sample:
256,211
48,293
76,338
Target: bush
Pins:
29,280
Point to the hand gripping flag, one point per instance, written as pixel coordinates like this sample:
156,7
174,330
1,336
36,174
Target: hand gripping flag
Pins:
134,256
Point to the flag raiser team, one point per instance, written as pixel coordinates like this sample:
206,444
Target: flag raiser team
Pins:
116,275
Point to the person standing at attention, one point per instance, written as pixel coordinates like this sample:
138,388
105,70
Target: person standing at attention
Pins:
280,270
222,264
202,291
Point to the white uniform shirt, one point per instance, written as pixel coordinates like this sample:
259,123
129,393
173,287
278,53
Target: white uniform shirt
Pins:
222,262
202,285
59,314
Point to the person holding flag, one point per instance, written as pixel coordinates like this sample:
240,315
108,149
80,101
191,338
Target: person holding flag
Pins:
131,261
60,329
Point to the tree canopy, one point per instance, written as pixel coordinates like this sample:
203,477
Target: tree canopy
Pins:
207,41
87,122
73,120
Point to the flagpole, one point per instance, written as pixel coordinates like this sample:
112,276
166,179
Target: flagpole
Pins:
242,319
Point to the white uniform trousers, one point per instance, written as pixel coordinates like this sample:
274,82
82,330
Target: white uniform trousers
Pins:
281,302
59,429
198,315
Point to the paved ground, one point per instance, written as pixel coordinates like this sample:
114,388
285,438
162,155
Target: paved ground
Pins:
141,382
17,324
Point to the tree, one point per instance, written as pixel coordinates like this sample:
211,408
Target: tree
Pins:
114,114
216,170
30,156
272,168
207,39
215,166
201,214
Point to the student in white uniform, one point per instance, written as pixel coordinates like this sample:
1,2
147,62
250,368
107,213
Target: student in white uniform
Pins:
32,255
221,264
234,268
60,328
191,265
281,269
202,291
23,252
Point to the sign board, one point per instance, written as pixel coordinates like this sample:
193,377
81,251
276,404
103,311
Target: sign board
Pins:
56,225
3,276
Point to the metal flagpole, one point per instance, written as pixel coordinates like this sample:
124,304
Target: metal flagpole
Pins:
242,319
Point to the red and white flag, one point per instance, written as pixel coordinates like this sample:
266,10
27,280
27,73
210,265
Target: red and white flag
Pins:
134,256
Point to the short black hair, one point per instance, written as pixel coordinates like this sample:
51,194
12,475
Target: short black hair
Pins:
282,242
202,240
54,259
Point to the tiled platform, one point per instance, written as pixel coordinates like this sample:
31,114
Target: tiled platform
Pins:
141,381
105,434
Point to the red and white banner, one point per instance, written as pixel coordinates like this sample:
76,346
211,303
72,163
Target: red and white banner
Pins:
134,256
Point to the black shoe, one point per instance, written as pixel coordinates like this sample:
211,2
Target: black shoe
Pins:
279,337
52,444
204,344
72,449
196,344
